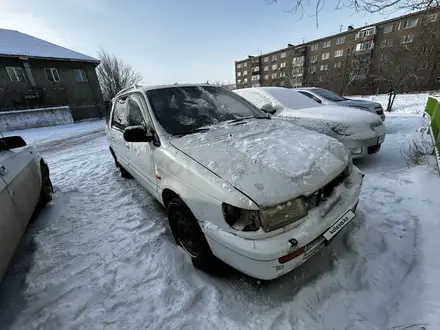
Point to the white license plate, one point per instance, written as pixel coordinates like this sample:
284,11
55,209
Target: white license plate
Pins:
338,225
381,139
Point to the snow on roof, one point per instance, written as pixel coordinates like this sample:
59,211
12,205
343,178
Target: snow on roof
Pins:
14,43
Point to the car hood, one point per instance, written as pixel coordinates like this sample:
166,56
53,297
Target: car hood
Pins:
270,161
361,103
335,114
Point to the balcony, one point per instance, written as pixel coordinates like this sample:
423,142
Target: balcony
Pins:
256,70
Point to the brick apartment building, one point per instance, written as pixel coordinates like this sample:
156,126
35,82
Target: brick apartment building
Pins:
401,53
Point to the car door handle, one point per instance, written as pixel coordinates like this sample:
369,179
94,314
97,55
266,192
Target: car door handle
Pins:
3,171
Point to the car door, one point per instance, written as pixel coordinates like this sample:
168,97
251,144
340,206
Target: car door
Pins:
117,125
20,173
11,228
141,154
311,96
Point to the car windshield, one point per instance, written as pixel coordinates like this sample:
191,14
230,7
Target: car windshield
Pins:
329,95
182,110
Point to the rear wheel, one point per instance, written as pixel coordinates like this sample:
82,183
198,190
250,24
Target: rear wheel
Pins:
187,233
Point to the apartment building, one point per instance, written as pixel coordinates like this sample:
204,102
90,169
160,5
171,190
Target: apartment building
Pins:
402,53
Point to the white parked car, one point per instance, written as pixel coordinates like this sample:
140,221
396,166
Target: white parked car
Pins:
324,96
362,132
259,194
24,187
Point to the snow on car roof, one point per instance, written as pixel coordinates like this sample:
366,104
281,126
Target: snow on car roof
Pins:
15,43
279,97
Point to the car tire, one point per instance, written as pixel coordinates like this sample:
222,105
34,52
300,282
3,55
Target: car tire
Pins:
46,186
188,234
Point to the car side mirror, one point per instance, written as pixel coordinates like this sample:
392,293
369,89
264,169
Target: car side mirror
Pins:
137,134
268,108
11,142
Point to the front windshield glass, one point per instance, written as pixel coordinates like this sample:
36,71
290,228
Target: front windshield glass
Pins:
184,109
329,95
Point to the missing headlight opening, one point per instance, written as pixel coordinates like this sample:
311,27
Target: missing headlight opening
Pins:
240,219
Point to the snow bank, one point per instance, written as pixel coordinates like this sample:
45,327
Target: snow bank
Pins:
403,104
22,119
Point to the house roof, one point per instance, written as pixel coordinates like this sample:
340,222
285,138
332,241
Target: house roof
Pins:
14,43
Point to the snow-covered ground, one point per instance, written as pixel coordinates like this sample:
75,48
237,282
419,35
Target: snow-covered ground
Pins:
100,255
403,104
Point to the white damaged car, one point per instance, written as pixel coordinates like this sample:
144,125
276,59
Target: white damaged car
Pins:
237,186
361,132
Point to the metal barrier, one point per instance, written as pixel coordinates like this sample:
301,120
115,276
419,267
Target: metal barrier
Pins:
432,111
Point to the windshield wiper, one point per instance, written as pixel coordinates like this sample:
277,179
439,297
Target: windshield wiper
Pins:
245,118
193,131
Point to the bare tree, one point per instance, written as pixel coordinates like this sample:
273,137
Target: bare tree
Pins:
365,6
115,75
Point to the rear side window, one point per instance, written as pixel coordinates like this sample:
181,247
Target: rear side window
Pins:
310,96
120,114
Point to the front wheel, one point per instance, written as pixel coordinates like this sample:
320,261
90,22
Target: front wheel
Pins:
187,233
46,185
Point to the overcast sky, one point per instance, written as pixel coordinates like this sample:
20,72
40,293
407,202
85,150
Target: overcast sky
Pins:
171,41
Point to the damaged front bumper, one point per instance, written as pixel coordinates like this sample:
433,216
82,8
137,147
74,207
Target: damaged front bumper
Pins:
266,257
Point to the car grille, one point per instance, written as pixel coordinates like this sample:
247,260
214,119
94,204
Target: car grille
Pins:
322,194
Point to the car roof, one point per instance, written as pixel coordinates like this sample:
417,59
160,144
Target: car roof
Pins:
136,87
306,88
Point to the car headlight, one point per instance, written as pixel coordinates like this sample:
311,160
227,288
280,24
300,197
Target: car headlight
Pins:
339,130
241,219
359,107
283,214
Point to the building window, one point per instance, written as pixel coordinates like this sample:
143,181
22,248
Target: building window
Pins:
348,51
239,81
266,59
340,40
80,75
430,18
245,73
366,32
389,42
314,47
283,65
256,69
326,44
383,44
410,23
325,56
388,28
274,58
427,49
282,74
238,74
266,68
256,77
424,65
52,74
338,65
239,66
15,73
407,39
245,80
438,78
364,45
312,69
274,75
339,53
244,64
283,55
314,58
274,66
298,61
324,67
266,76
